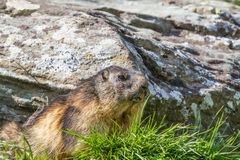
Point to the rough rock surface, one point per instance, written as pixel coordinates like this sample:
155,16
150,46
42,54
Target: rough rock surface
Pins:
42,56
190,54
20,7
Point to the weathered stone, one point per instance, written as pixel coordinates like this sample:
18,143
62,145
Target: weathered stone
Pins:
44,55
21,7
2,4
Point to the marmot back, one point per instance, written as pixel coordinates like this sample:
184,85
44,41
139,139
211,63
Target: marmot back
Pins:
114,95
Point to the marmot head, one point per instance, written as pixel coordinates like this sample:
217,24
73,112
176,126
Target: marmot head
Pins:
116,85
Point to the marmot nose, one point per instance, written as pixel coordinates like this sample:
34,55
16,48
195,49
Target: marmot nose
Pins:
144,85
144,90
142,93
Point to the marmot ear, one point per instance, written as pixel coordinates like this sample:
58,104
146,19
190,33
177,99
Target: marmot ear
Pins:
105,74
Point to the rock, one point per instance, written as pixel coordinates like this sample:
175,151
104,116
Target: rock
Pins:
190,56
2,4
235,45
44,56
21,7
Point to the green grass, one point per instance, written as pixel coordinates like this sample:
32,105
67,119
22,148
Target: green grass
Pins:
152,142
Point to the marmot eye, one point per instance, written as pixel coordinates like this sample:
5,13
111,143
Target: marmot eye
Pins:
123,77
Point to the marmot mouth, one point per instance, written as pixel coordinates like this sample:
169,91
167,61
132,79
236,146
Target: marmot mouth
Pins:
141,95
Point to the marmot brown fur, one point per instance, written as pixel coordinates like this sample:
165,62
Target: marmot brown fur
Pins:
114,95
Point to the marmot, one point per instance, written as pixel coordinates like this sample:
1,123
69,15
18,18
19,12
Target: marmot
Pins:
114,95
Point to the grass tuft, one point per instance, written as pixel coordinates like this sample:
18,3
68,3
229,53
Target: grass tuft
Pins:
148,141
152,142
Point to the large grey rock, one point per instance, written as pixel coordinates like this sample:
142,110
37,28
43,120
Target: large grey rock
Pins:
3,4
190,56
189,53
21,7
42,56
